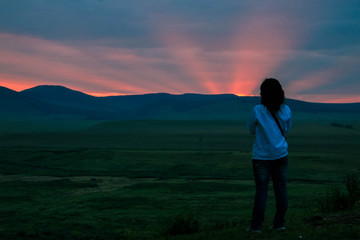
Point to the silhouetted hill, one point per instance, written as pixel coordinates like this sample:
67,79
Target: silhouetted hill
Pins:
58,102
302,106
62,102
58,95
13,105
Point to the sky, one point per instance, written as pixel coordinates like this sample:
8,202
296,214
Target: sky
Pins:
120,47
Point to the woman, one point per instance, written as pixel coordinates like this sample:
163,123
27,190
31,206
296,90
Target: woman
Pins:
270,121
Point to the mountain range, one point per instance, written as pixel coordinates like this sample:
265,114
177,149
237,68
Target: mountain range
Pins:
58,102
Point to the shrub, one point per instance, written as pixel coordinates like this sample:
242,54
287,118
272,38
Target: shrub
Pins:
337,125
336,200
352,182
349,127
186,223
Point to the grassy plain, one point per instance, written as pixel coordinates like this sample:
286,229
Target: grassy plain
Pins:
138,179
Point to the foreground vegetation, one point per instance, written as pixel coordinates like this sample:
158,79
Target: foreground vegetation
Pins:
169,180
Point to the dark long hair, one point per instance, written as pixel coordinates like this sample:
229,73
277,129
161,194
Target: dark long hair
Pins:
272,94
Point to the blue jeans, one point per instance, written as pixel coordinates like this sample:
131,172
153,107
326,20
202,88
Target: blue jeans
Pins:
263,169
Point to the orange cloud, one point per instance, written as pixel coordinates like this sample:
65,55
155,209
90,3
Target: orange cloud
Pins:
47,62
336,98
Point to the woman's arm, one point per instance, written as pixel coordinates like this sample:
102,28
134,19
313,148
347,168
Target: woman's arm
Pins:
251,124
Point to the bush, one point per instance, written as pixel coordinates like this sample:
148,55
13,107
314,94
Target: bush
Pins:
352,182
186,223
349,127
336,200
337,125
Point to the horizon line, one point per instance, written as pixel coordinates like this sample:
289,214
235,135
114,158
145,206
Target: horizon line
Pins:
100,95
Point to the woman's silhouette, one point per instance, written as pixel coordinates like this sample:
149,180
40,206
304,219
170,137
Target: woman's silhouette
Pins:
270,121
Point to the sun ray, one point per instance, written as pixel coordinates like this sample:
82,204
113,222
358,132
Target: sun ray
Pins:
263,42
187,55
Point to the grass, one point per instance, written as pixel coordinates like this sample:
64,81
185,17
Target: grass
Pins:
158,180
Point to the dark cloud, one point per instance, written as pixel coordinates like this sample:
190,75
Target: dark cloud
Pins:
128,20
70,19
329,24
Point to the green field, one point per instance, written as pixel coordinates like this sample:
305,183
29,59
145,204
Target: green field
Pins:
152,179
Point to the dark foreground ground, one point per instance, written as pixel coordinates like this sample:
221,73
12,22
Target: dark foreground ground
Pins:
167,180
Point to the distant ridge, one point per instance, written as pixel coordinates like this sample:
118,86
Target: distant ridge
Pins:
59,102
56,93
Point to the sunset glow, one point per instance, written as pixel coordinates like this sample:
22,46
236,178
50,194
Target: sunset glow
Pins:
178,51
264,43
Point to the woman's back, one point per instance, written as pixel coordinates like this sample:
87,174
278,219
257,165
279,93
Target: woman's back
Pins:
269,144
